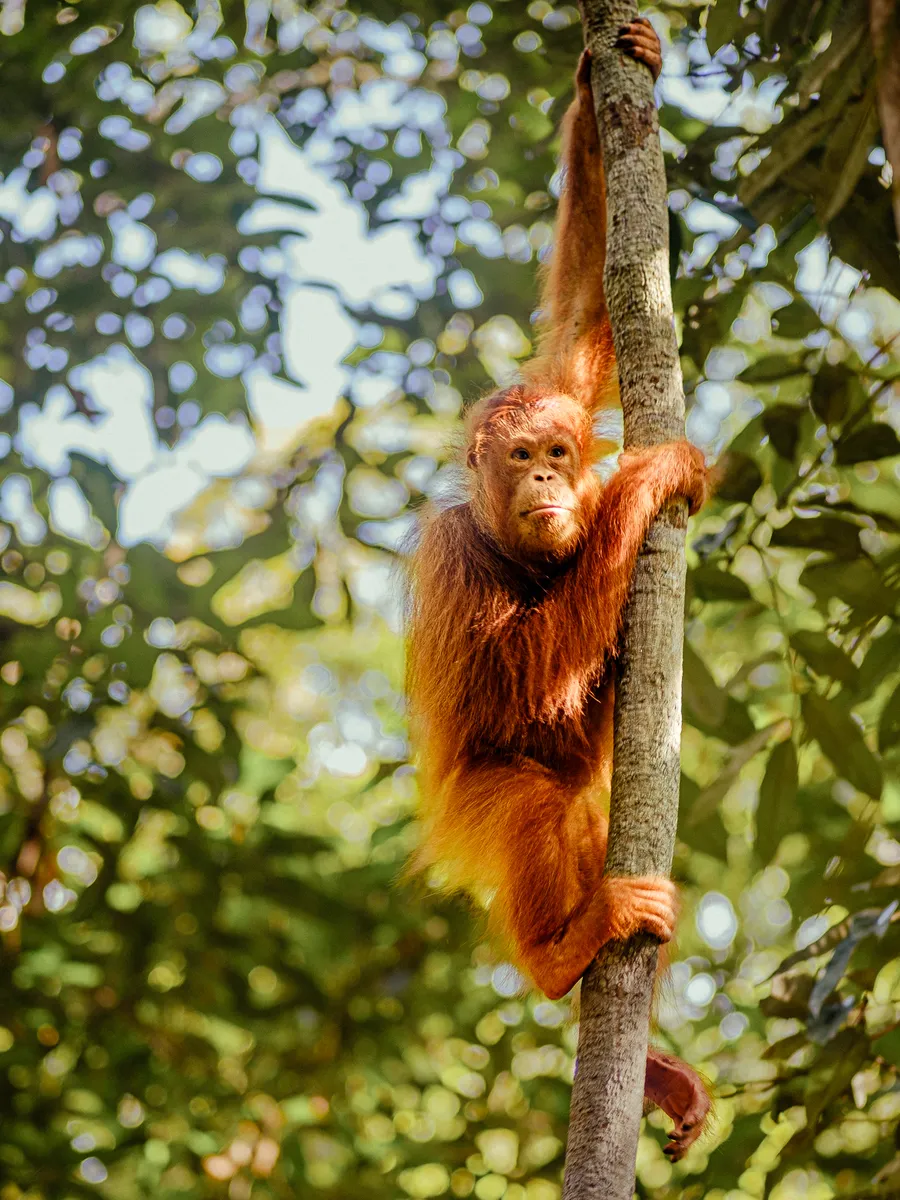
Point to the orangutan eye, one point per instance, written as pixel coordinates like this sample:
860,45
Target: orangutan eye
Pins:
557,451
521,454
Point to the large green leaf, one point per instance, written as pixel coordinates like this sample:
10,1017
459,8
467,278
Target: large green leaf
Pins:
797,320
858,584
734,725
830,534
782,423
740,480
832,391
776,813
824,656
873,442
889,724
841,740
704,700
772,368
711,584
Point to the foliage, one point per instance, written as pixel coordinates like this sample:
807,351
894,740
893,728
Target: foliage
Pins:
214,981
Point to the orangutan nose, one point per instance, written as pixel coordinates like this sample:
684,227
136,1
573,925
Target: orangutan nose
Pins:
543,478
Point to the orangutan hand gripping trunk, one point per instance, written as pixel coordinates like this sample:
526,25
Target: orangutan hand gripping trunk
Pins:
518,596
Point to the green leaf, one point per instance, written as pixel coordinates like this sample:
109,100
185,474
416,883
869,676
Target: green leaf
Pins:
867,445
711,584
771,368
779,20
832,389
741,480
734,726
847,155
841,741
825,658
889,725
711,797
861,924
880,661
703,698
788,997
99,485
723,21
858,584
783,1049
866,514
796,320
708,543
860,232
830,534
384,833
782,424
844,1057
298,614
776,812
708,836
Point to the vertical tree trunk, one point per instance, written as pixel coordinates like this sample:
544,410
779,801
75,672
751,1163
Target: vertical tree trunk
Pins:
607,1099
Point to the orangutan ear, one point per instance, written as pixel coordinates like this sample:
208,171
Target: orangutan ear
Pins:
472,460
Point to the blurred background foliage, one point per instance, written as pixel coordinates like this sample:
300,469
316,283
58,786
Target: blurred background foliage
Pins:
255,257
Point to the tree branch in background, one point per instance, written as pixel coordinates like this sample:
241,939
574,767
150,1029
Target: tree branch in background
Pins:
884,26
617,989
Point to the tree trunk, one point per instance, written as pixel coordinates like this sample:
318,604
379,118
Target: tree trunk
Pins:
884,27
607,1100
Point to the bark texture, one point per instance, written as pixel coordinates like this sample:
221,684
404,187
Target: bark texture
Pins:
607,1100
884,27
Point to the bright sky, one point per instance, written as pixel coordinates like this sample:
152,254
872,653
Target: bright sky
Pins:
338,258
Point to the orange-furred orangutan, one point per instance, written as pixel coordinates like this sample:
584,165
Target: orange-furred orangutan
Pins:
517,601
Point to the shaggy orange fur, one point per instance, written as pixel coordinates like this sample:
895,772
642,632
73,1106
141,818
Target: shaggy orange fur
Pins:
517,600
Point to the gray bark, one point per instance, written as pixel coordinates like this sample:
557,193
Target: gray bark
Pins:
607,1099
